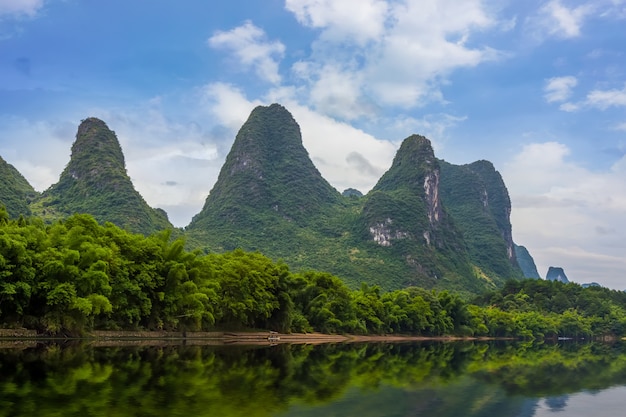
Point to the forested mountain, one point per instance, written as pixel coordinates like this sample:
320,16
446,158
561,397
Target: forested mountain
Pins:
15,191
479,202
526,262
269,197
426,223
95,182
268,187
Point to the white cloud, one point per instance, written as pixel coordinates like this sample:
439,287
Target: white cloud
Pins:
249,46
559,89
18,8
570,107
604,99
39,150
227,104
400,52
345,156
560,204
556,19
341,20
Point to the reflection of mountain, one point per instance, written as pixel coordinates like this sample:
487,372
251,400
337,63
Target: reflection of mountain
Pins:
365,380
557,403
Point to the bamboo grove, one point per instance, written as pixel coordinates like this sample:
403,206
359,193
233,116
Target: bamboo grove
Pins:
76,275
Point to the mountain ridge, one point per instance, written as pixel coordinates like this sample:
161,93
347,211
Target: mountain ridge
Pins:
270,197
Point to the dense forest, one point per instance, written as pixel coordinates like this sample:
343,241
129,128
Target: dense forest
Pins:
76,275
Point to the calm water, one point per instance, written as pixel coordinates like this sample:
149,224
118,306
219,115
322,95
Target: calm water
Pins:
452,379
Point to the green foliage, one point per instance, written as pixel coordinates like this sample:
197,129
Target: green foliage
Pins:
270,198
77,275
95,182
477,199
15,191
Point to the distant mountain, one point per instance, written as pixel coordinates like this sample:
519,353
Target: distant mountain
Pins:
267,189
526,262
404,212
556,274
270,197
95,182
351,192
425,223
15,191
479,202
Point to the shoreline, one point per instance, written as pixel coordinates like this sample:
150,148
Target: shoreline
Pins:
102,338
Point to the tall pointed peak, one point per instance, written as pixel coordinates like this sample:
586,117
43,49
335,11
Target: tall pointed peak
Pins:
268,168
95,182
95,144
414,161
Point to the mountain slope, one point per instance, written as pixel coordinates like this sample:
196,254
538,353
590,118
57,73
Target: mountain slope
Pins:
267,189
15,191
478,200
405,214
526,262
95,182
270,197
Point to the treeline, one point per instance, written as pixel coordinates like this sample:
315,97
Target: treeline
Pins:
76,275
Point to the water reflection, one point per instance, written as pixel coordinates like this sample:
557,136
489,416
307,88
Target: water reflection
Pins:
453,379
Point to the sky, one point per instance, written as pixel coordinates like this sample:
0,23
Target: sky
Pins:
536,87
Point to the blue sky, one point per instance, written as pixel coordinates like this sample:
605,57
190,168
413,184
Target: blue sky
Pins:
537,87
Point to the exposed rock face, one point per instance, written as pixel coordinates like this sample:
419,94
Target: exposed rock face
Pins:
495,197
556,274
95,182
383,234
412,181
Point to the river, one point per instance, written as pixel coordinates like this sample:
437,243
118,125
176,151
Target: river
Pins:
369,379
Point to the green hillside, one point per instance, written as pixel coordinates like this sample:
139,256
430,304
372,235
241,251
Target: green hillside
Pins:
15,191
478,201
95,182
426,223
269,197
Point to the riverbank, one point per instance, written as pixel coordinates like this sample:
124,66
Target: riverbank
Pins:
14,337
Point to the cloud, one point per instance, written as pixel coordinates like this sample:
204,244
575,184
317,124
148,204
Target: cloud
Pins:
558,203
341,20
603,99
330,143
389,53
248,44
20,8
39,150
559,89
556,19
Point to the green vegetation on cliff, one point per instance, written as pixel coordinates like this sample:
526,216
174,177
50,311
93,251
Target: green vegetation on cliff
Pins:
95,182
426,223
477,199
15,191
77,275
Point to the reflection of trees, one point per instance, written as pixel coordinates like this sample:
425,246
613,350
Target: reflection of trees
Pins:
262,381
